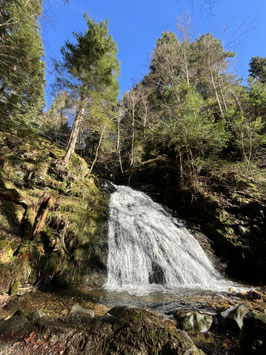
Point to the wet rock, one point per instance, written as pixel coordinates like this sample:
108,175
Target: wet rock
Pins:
16,325
253,334
179,314
124,330
76,308
157,275
146,333
250,295
193,322
232,318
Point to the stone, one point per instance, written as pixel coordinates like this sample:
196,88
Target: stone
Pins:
14,325
146,333
76,308
180,313
194,322
232,318
253,334
37,315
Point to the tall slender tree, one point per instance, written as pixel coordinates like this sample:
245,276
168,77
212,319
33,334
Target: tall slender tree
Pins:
89,69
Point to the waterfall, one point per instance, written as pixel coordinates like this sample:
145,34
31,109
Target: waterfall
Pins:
151,251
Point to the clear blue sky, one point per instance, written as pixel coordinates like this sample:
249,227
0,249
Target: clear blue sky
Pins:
136,25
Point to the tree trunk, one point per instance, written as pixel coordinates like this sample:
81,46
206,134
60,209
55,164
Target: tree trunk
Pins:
97,150
133,136
44,209
75,130
118,145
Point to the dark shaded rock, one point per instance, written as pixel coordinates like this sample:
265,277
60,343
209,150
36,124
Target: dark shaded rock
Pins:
14,326
253,334
157,275
232,318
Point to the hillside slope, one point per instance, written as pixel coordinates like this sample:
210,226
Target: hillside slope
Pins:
52,218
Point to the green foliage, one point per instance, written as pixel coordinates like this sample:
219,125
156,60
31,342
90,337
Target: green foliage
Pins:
21,64
89,73
54,123
91,62
257,68
248,119
193,109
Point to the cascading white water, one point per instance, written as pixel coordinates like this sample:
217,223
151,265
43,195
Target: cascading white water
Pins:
151,251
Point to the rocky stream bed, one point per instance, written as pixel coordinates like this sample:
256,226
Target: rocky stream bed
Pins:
92,321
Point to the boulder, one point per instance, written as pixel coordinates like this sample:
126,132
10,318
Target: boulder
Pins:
253,334
76,308
232,318
193,322
137,331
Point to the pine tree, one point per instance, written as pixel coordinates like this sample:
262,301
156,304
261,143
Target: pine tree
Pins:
21,64
257,68
89,72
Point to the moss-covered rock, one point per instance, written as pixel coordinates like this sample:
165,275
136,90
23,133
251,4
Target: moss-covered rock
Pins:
59,212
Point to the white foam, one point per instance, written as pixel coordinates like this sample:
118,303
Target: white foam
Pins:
150,251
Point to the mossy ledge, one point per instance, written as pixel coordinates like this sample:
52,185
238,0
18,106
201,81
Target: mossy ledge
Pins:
53,218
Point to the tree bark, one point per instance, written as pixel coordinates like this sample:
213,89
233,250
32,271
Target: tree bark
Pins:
133,132
75,130
97,150
118,145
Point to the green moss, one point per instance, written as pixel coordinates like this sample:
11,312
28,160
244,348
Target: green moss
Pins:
14,288
3,243
78,215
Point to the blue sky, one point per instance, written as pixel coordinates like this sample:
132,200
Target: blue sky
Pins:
136,25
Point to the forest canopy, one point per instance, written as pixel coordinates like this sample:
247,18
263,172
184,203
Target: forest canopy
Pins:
189,106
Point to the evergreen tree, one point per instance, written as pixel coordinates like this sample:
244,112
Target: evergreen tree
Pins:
257,68
21,64
89,72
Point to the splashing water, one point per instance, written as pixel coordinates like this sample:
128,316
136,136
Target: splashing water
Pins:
151,251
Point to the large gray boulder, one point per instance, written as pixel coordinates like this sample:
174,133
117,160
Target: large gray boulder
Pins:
232,318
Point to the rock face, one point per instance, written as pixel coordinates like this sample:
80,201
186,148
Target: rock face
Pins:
124,330
253,334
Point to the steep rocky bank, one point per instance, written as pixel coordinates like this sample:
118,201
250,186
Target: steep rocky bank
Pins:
53,218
